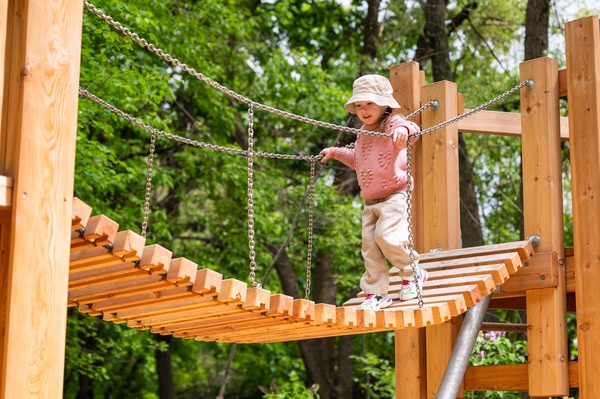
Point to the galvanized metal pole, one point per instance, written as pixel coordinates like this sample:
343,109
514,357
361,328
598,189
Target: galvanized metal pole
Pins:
459,359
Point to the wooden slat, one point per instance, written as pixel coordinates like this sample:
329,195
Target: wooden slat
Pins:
80,215
127,246
6,186
98,231
485,282
523,248
507,377
501,123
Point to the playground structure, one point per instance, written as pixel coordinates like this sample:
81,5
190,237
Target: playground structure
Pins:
42,248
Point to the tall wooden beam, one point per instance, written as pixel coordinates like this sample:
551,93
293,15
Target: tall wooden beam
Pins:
411,370
582,38
441,210
38,129
421,356
543,209
441,200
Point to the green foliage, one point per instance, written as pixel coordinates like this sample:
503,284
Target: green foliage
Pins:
497,183
376,376
493,348
107,359
292,387
293,55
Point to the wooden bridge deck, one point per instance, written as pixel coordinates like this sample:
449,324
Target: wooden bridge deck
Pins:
114,275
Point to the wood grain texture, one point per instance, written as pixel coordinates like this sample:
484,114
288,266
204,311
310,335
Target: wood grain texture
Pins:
39,129
583,82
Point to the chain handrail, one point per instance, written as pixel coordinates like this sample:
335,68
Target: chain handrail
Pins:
174,61
188,141
184,67
250,152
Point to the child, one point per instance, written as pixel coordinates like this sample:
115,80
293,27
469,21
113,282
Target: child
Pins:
381,164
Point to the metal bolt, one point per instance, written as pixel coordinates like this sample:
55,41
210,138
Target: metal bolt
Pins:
530,83
534,240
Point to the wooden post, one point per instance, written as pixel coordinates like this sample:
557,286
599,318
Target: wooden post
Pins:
406,79
441,202
38,129
410,343
583,83
441,210
543,209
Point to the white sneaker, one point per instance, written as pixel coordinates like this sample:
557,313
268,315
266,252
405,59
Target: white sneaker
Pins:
409,289
376,302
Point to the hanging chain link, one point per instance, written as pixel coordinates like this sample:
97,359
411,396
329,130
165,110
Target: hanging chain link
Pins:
435,104
311,209
148,185
250,153
411,236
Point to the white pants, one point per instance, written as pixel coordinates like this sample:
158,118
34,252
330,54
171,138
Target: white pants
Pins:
385,238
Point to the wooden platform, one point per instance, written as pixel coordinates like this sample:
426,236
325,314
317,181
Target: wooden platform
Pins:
114,275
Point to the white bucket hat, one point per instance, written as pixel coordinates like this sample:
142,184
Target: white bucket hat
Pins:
372,88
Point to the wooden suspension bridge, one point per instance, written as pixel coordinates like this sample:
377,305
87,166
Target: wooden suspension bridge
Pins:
56,254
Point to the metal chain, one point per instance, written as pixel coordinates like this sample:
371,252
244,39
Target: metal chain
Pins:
170,59
185,140
311,208
435,104
174,61
250,153
411,236
148,184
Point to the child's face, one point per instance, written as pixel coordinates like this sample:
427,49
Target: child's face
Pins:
369,113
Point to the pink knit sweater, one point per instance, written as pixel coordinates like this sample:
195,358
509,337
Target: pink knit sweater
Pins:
380,167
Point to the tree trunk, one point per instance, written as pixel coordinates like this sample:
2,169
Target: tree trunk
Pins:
537,20
318,355
86,388
166,388
437,39
470,221
438,51
372,29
